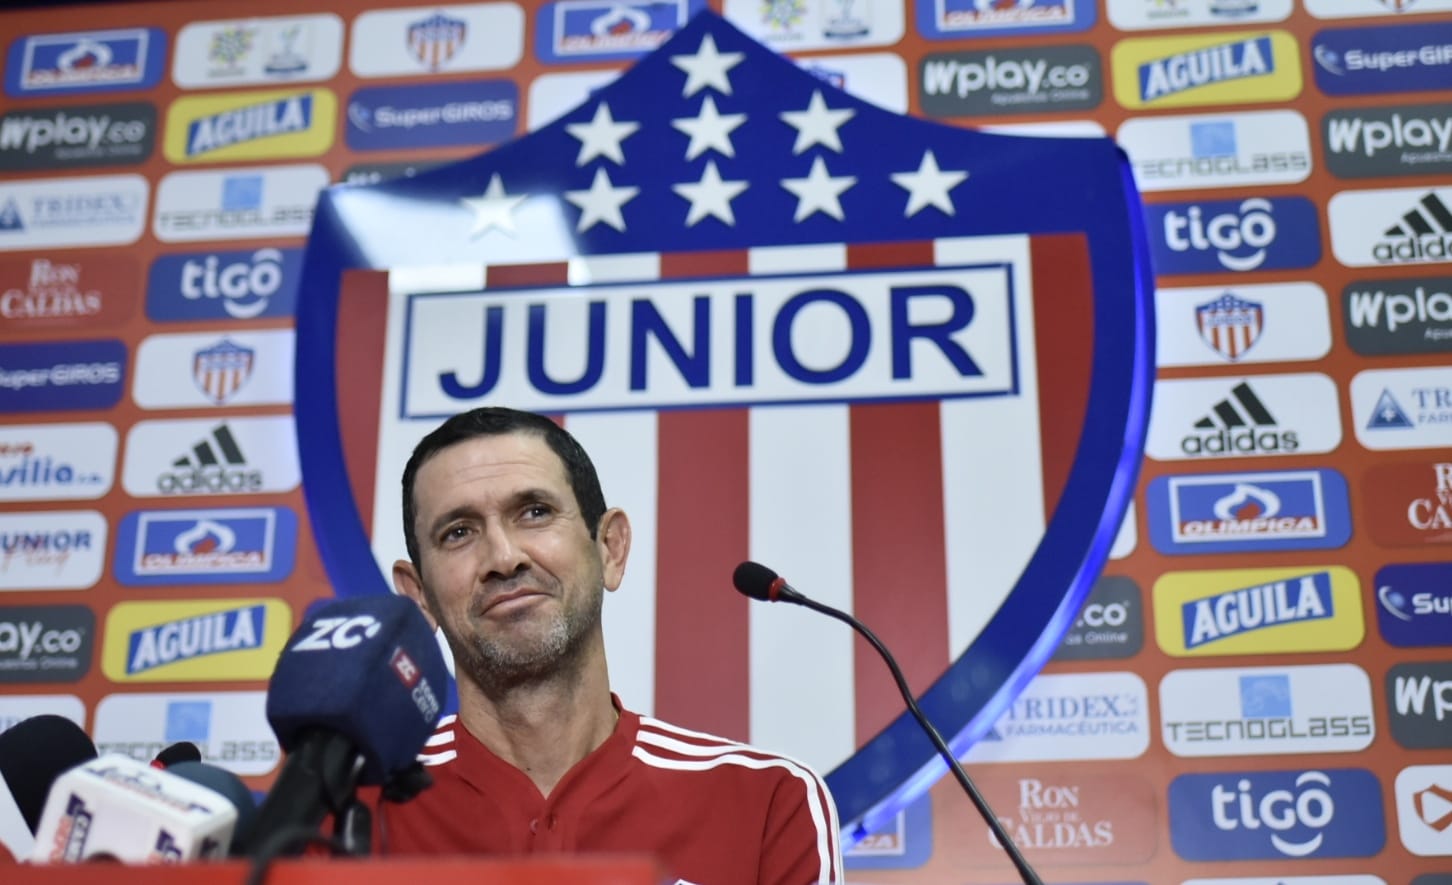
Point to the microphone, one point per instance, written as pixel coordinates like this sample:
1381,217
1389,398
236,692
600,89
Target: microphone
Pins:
355,696
116,807
231,788
36,751
181,751
759,582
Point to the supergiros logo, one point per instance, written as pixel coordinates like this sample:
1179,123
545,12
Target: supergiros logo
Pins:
1206,69
213,640
250,126
1258,611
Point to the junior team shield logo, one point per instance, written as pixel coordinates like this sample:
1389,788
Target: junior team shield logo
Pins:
788,326
1230,325
434,40
222,369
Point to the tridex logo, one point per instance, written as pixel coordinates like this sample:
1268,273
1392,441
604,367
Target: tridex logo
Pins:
1245,512
47,643
97,210
1396,140
1394,316
1258,611
1265,415
1152,72
1276,815
1234,235
52,549
1420,698
1263,323
194,641
49,462
76,135
1261,711
234,457
218,546
1424,809
1071,716
1414,604
218,285
1403,408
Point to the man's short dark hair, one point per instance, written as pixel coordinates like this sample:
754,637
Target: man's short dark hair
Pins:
496,421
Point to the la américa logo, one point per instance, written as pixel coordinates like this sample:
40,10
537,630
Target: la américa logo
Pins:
729,279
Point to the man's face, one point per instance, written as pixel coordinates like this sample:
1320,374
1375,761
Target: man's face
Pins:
508,569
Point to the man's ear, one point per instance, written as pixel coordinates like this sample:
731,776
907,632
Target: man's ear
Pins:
612,539
407,583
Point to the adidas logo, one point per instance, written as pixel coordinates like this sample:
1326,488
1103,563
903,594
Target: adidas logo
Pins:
1240,424
1423,234
214,466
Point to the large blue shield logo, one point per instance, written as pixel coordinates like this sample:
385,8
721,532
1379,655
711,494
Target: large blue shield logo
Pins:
907,365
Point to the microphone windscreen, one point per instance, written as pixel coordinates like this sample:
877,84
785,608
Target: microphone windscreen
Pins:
36,751
181,751
367,668
220,780
754,579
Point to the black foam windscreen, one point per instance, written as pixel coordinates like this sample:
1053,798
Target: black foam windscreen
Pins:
36,751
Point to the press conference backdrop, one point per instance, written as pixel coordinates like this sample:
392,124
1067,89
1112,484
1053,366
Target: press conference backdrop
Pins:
1258,688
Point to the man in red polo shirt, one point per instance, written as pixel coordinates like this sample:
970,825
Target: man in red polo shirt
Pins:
511,549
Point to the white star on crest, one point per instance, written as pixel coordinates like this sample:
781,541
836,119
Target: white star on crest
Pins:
707,67
928,186
819,191
601,202
709,130
710,196
818,124
494,209
601,136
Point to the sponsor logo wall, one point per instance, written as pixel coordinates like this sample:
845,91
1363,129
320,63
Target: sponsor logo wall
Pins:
1261,680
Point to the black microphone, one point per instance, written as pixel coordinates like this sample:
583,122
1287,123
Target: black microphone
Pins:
759,582
181,751
36,751
230,786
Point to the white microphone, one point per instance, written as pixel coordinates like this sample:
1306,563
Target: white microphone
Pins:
118,808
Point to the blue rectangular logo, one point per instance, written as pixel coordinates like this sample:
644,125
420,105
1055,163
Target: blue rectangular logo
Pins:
243,285
474,112
62,375
1395,58
122,60
600,30
1249,512
1219,236
956,19
222,546
1276,815
1414,604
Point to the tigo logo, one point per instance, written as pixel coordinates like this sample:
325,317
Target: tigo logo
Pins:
224,285
1259,233
1395,140
1391,227
213,640
1420,698
1250,148
229,727
198,370
1424,809
1071,716
1395,58
121,60
1414,604
1324,708
1247,512
1207,69
1403,408
1409,505
286,48
268,201
1394,316
221,546
85,375
52,462
576,30
77,135
1276,815
52,550
250,126
44,293
102,210
234,457
1194,418
1270,322
437,115
437,39
1258,611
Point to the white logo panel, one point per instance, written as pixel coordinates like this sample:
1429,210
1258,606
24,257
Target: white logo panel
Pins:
1139,15
229,727
199,370
1424,809
1403,408
437,40
15,709
1200,418
879,78
1065,716
1388,8
265,201
1217,150
104,210
817,24
52,550
1267,710
57,462
211,456
1388,228
1223,325
282,49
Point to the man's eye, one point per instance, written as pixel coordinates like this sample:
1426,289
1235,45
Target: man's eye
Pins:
536,511
453,533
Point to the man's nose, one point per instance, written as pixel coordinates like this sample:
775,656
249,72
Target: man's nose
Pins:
504,555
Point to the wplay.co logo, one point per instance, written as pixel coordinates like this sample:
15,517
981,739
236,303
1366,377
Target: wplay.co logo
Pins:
1403,315
1389,140
1420,700
1258,611
77,135
1110,626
